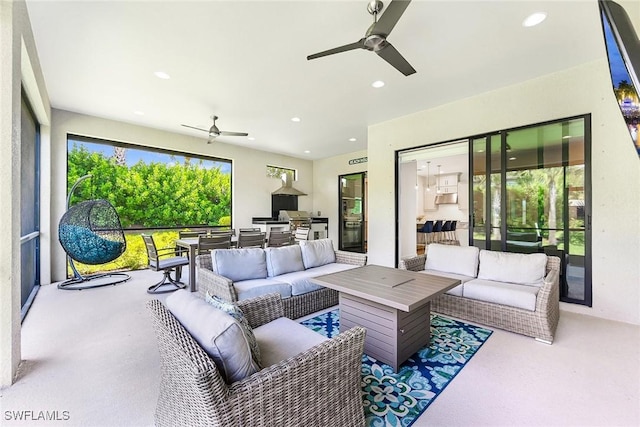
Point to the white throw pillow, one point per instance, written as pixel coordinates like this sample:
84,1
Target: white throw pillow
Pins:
219,334
239,264
317,252
452,259
523,269
285,259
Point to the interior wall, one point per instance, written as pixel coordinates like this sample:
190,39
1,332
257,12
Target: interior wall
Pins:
325,187
18,66
251,187
615,170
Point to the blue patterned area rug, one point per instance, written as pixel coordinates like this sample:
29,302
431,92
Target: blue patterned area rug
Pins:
398,399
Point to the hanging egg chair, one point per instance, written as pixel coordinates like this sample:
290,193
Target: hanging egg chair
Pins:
90,233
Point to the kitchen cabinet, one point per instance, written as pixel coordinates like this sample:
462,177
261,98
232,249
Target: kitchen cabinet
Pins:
430,200
463,196
448,183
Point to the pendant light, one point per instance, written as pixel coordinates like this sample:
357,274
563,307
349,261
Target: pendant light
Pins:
438,180
428,181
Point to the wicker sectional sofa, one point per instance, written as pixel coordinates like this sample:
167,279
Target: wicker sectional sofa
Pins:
238,274
515,292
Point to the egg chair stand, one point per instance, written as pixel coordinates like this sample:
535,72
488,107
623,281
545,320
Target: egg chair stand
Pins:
90,232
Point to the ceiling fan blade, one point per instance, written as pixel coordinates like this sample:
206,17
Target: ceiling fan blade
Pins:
393,57
390,17
193,127
357,45
224,133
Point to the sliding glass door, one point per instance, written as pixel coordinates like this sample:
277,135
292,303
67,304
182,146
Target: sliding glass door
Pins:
530,195
29,206
353,212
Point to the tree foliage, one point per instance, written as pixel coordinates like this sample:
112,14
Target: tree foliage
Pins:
152,194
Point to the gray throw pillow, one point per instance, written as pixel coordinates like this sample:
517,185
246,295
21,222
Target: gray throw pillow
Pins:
219,334
235,312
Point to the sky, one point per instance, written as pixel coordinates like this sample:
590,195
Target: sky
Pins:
134,156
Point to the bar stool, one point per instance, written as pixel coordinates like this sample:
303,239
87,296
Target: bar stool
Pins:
427,229
444,234
454,236
437,231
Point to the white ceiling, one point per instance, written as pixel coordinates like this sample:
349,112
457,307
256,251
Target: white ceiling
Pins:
246,62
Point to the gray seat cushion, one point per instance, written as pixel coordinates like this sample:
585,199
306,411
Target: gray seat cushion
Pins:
300,280
257,287
172,262
457,291
284,338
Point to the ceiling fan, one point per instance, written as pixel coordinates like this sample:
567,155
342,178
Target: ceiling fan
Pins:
214,132
375,39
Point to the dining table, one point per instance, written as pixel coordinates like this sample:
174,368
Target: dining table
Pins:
191,244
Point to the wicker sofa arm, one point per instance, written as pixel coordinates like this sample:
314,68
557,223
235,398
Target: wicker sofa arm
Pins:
414,263
320,384
354,258
548,296
262,309
208,281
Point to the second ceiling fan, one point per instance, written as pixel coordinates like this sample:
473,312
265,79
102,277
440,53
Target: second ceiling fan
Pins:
214,132
375,39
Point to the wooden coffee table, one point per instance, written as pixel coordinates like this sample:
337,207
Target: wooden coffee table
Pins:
393,305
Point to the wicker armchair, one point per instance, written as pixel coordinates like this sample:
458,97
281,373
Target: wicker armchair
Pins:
294,307
318,387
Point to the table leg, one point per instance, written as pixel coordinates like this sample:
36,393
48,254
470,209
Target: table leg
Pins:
192,267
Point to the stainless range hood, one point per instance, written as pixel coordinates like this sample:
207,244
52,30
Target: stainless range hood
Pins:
287,188
447,199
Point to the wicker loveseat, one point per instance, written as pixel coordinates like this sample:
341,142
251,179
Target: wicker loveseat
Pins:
531,309
318,387
286,271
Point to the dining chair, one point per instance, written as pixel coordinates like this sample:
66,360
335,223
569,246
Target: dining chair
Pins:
251,240
164,260
279,238
249,230
217,231
188,234
302,233
207,243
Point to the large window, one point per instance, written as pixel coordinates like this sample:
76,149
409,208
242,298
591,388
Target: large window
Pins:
150,190
530,194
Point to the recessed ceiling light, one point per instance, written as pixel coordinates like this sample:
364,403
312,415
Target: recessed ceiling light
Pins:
481,150
251,138
295,119
566,137
138,113
377,84
162,75
534,19
352,139
307,151
512,158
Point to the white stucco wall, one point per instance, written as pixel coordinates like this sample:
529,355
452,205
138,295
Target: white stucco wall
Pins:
19,67
615,170
251,187
325,186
